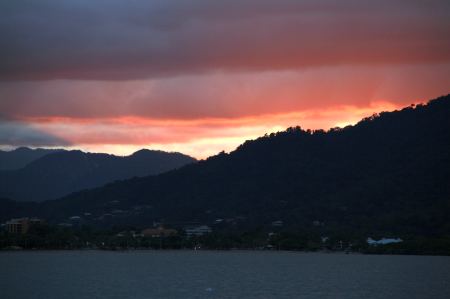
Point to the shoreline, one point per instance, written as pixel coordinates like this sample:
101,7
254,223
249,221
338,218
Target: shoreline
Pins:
321,252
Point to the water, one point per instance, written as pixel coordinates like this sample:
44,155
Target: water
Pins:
207,274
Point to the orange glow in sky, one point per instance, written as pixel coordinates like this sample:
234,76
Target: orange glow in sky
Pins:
200,77
199,138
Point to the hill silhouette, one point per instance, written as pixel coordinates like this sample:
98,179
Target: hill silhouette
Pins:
58,174
388,174
22,156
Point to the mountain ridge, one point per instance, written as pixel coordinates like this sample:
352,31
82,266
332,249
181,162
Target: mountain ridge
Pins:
57,174
21,156
386,175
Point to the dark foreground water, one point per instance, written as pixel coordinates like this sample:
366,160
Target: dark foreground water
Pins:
203,274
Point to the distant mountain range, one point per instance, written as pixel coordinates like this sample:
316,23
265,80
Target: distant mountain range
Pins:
52,174
20,157
388,174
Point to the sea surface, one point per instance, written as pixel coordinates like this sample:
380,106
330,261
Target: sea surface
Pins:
217,274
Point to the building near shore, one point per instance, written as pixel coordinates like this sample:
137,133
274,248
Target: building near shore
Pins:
159,232
21,225
383,241
197,230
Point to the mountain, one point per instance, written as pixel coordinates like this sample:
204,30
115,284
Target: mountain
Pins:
58,174
389,174
21,156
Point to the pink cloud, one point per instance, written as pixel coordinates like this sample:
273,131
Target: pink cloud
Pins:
225,95
198,137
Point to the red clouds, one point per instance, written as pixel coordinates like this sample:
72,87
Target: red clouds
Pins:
202,76
197,137
225,95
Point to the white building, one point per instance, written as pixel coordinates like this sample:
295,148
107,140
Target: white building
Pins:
197,230
383,241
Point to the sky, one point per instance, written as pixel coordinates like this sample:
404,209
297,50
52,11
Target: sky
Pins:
200,77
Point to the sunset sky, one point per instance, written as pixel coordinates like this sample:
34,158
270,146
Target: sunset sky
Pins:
200,77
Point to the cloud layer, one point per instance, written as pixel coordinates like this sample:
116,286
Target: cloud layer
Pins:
141,39
16,134
225,95
203,76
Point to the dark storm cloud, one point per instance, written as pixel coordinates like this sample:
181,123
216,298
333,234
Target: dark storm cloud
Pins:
13,133
139,39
